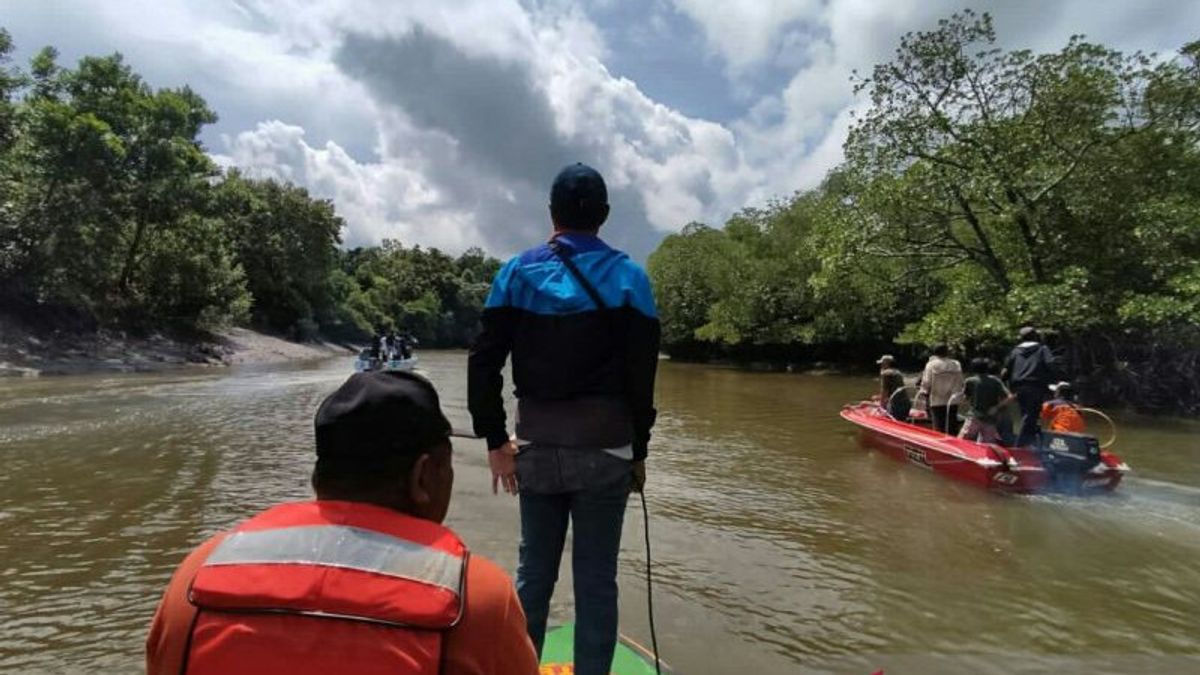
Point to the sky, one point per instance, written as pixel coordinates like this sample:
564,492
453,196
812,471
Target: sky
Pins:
443,122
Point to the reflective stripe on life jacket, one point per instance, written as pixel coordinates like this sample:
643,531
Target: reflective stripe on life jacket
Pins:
327,587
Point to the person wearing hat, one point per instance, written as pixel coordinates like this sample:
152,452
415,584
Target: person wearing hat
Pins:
892,394
579,321
363,579
1061,412
1028,371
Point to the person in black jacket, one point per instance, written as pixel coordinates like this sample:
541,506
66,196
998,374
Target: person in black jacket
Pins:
1029,370
578,318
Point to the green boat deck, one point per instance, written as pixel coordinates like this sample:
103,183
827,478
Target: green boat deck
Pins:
558,655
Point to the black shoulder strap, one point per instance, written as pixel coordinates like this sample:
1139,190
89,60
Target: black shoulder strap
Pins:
560,251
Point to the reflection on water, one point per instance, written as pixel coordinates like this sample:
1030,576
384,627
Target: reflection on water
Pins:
780,545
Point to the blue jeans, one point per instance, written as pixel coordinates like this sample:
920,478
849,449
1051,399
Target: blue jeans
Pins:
589,488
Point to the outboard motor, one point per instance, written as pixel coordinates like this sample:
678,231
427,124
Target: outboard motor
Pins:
1067,458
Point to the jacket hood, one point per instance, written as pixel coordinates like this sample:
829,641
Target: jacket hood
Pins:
1027,348
556,287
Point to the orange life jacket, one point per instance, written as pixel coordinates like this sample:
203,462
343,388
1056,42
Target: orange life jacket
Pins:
1059,416
327,587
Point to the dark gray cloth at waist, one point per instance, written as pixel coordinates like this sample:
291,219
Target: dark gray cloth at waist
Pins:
550,470
586,422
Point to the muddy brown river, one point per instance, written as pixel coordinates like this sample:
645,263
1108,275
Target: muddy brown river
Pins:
779,545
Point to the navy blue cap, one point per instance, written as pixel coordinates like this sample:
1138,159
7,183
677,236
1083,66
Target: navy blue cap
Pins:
375,416
578,187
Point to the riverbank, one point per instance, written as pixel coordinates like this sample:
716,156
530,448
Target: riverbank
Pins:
29,352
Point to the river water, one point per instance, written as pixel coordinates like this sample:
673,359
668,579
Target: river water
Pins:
779,545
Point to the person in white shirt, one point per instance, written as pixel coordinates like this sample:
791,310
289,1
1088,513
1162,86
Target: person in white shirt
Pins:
941,388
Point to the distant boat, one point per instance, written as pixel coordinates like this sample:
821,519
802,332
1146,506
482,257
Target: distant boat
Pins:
401,364
1064,462
365,362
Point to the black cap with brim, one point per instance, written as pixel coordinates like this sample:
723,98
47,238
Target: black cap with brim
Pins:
578,188
378,417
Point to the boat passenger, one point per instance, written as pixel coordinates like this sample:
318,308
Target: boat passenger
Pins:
578,318
892,394
370,551
988,396
393,346
1004,421
1029,371
377,346
1062,413
405,343
941,385
383,346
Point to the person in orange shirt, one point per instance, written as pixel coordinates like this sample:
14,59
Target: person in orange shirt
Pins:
1061,413
364,579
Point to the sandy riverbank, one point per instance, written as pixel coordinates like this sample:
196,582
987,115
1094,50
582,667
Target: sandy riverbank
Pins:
30,353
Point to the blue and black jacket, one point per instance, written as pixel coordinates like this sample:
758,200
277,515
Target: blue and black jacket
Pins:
584,375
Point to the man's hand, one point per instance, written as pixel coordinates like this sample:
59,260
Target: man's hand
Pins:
503,462
639,476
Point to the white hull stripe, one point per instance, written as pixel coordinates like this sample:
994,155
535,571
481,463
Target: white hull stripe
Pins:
341,547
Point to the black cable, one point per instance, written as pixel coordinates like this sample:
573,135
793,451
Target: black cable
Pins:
650,583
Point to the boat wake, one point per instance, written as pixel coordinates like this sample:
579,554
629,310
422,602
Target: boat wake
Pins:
1162,508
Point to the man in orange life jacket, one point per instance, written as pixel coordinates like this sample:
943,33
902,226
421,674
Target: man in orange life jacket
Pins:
362,580
1061,413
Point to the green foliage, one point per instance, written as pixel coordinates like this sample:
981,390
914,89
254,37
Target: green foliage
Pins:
286,243
110,206
1065,181
982,190
432,295
108,180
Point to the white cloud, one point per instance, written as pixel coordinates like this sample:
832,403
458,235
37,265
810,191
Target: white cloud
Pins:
383,199
796,134
441,123
746,32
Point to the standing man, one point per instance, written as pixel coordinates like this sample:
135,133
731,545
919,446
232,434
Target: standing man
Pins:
364,579
941,383
1029,372
987,396
578,318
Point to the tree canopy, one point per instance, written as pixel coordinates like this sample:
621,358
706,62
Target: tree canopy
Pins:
981,190
111,208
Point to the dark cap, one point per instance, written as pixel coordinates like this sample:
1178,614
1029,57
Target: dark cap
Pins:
1027,333
578,187
378,416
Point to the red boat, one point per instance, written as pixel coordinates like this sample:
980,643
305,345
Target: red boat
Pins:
1063,463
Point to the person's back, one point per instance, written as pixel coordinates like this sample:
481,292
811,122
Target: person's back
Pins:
893,395
942,379
1030,363
1061,413
1029,370
578,318
988,396
363,580
583,376
941,385
985,392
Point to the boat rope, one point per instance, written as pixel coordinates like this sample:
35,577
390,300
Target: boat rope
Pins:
650,583
1112,426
